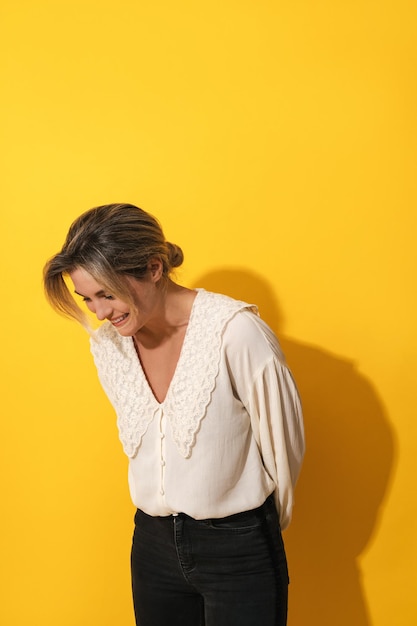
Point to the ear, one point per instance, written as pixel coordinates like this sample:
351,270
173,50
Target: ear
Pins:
155,268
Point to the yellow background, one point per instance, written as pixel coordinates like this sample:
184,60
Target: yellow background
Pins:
276,142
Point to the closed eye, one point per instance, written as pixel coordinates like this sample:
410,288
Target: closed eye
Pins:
100,294
85,299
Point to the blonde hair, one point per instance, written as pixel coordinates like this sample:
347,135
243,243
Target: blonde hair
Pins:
111,242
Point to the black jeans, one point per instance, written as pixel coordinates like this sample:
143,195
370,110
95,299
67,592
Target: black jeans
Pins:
218,572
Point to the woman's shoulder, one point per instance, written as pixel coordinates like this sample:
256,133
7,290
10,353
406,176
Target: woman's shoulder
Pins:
104,332
240,319
210,302
248,332
106,338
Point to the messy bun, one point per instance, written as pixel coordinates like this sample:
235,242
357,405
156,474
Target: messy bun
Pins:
175,254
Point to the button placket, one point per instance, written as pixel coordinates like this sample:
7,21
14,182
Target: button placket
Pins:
162,423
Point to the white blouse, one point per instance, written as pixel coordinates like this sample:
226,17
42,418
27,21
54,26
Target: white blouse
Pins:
230,430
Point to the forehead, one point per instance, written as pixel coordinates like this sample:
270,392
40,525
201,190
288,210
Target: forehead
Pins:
84,283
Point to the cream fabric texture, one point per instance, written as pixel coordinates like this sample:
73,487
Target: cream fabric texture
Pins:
230,430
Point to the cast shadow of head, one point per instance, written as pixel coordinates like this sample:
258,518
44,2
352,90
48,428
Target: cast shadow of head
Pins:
346,472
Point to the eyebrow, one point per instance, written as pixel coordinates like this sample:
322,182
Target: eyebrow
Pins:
97,294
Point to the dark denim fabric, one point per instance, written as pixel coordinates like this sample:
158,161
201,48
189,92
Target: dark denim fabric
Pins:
220,572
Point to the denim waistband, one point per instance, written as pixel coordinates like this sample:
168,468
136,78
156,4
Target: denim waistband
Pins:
235,517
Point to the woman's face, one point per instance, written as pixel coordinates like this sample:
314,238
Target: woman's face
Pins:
128,321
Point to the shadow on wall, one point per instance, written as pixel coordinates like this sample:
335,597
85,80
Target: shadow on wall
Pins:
349,460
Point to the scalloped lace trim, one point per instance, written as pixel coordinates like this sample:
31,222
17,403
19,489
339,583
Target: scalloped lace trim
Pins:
189,393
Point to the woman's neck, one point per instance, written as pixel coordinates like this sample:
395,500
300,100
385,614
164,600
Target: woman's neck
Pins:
171,317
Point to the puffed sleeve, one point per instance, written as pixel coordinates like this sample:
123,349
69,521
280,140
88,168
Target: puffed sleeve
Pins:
275,410
266,387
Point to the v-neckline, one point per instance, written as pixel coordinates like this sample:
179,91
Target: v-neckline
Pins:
192,384
177,367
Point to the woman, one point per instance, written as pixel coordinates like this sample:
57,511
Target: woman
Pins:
208,415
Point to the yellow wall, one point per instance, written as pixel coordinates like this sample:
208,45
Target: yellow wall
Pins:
276,141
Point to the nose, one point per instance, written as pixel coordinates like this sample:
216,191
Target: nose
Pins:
103,310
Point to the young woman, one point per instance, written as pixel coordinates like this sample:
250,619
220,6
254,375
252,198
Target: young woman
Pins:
208,414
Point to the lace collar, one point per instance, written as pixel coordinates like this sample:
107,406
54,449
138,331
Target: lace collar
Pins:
189,393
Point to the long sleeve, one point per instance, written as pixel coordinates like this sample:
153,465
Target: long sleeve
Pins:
268,391
274,407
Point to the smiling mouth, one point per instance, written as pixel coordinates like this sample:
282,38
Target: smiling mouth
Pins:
119,320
